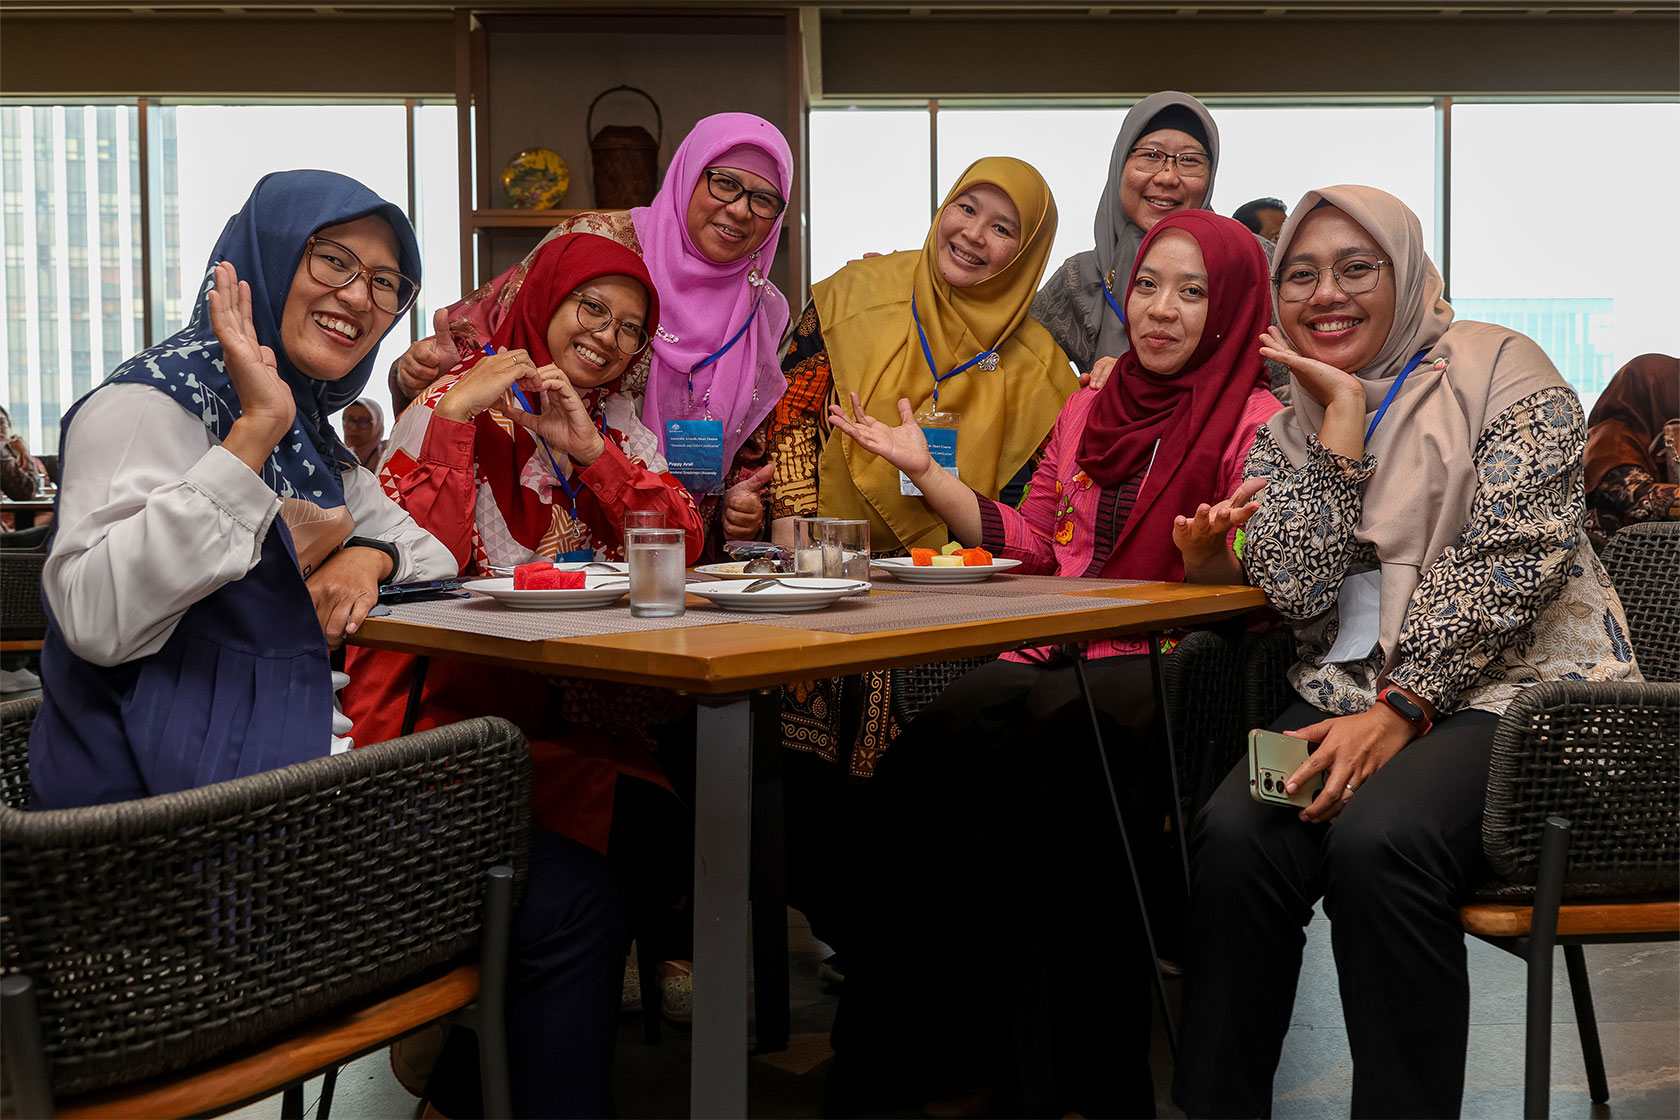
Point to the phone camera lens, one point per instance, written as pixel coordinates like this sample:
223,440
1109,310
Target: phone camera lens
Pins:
1268,783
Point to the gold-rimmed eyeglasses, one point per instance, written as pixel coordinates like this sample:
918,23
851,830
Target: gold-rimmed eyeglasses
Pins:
1297,283
1190,165
337,267
593,315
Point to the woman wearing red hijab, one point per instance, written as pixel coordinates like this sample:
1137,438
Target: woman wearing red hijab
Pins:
998,851
501,486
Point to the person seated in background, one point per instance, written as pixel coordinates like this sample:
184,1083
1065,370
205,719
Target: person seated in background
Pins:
215,538
1263,216
708,238
364,431
502,486
992,807
947,327
1420,528
1633,447
22,476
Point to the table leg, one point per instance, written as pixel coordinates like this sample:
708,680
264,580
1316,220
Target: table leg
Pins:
1165,717
768,885
722,846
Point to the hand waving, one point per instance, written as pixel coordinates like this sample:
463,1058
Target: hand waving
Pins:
903,445
266,407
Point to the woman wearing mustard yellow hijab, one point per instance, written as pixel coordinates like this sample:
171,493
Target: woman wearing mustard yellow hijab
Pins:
997,372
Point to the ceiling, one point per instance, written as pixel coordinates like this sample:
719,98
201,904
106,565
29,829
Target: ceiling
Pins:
1042,10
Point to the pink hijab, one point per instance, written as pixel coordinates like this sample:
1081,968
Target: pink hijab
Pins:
709,302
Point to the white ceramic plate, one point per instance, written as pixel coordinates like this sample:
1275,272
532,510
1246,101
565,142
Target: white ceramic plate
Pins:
732,570
793,593
902,567
597,591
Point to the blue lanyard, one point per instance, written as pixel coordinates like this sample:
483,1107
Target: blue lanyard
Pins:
565,484
722,350
1109,296
1393,391
987,360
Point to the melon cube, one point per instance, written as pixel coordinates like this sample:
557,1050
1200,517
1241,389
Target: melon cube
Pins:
975,557
921,557
947,562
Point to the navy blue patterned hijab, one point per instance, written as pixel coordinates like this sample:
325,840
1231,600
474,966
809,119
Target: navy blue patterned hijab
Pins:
265,241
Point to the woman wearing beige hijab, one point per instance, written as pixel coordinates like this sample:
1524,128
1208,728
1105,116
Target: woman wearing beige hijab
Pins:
1421,531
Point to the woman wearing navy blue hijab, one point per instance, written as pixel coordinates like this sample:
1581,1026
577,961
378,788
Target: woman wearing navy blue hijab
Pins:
189,625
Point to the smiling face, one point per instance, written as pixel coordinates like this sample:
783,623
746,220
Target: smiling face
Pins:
358,426
1342,330
727,231
327,331
592,357
1168,304
978,234
1148,196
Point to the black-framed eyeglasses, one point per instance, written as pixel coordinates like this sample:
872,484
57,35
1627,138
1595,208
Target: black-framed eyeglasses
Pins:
1191,165
364,422
593,315
726,188
337,267
1298,282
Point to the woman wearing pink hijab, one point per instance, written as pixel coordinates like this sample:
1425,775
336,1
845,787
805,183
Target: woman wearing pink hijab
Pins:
712,376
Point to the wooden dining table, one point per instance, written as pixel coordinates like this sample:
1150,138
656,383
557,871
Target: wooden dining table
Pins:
734,669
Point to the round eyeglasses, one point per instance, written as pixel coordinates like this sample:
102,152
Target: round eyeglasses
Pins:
337,267
726,188
1190,165
1298,282
593,315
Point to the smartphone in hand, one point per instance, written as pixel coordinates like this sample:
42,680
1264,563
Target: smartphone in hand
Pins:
421,591
1272,757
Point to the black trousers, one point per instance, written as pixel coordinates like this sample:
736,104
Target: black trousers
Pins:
1392,869
997,943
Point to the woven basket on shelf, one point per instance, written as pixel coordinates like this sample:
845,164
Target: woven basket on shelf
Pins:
625,157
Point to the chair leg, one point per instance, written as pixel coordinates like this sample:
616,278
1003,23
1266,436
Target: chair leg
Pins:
653,990
329,1082
26,1060
1580,990
491,1025
291,1102
1542,938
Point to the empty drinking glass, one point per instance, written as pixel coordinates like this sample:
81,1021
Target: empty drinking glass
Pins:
657,586
845,549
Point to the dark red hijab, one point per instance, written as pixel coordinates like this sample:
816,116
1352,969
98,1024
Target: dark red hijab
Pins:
1193,414
559,268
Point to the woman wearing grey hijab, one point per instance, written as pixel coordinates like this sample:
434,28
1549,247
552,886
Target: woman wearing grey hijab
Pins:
1163,162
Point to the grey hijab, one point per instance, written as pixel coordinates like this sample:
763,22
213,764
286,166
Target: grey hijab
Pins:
1117,236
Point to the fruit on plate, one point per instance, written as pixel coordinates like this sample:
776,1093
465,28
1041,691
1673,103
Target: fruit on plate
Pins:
922,557
950,548
544,576
974,557
946,562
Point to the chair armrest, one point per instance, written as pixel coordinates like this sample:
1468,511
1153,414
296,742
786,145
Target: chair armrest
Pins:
1606,757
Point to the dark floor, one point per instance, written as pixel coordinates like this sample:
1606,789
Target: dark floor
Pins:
1636,989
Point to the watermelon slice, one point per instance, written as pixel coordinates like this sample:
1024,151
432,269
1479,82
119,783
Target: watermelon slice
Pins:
554,580
523,573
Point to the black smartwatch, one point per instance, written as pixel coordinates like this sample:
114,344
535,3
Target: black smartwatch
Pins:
386,547
1407,707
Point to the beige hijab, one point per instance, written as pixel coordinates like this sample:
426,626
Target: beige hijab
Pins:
1417,500
875,351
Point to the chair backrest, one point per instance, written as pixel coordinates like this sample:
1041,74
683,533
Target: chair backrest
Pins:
16,718
161,932
1644,563
22,556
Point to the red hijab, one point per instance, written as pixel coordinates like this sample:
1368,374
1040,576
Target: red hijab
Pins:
1193,414
502,448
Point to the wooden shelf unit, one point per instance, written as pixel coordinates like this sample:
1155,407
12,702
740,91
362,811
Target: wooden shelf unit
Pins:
525,80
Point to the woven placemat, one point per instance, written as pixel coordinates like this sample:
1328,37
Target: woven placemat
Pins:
873,613
483,615
1007,584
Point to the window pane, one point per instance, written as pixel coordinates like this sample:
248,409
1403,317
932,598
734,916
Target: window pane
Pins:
438,190
1524,257
220,151
70,279
869,184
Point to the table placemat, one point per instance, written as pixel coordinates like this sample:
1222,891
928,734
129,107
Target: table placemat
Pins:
869,614
483,615
1008,584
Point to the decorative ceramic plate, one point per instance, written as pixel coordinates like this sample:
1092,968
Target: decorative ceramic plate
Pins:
902,567
597,591
788,593
536,179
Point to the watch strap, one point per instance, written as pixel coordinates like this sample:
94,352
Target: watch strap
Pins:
386,547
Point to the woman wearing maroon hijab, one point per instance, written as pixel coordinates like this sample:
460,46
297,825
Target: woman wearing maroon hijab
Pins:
993,817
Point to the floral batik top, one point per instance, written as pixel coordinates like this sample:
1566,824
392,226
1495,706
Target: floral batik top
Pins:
1519,599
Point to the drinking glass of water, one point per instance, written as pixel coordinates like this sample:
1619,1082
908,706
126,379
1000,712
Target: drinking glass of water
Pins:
657,586
644,519
807,545
845,549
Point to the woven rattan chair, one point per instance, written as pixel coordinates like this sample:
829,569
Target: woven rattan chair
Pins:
23,620
185,954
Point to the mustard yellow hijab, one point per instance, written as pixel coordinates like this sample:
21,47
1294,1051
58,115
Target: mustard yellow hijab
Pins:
875,352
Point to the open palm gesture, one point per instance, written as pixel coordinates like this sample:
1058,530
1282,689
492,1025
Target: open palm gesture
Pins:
264,397
902,445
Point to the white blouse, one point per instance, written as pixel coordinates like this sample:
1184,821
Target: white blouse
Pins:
154,514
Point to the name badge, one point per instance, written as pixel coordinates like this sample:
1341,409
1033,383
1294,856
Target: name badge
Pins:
1358,617
940,428
694,452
